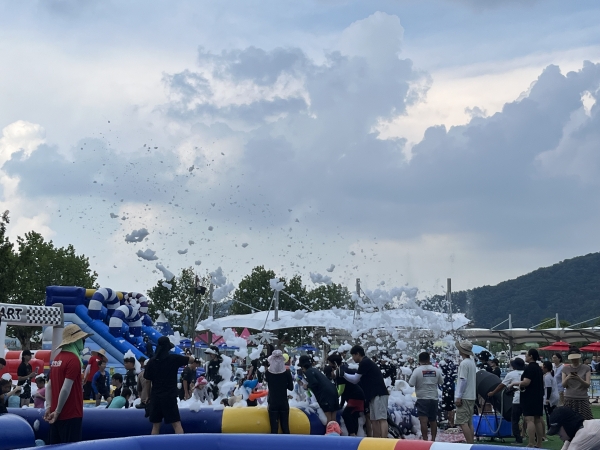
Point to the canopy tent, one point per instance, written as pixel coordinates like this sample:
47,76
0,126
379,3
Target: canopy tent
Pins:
593,347
341,319
559,346
523,335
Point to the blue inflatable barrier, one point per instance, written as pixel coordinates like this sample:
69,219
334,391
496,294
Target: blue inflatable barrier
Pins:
267,441
15,432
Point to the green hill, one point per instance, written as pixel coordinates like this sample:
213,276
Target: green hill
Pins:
570,288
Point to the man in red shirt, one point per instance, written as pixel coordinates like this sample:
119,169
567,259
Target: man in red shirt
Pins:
90,371
63,392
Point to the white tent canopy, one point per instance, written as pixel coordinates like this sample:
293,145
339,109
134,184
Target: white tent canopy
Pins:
342,319
522,335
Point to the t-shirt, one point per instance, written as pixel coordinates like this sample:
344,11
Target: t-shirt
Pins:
425,380
514,376
118,403
93,363
279,385
573,387
40,398
163,374
558,377
467,371
23,371
550,382
534,393
130,381
100,383
587,437
324,390
67,366
371,380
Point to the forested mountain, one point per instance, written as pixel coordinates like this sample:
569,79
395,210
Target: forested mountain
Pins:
570,288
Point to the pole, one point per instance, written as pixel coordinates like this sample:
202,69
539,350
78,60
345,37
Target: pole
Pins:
2,337
210,310
356,305
57,333
276,306
557,321
510,321
449,299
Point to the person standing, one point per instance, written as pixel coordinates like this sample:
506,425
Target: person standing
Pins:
576,379
550,390
280,381
512,377
376,393
466,390
25,374
130,380
100,384
187,379
64,395
143,385
212,369
90,370
557,360
39,399
532,398
162,371
351,395
425,379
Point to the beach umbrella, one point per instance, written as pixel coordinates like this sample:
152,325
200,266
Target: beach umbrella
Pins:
559,346
593,347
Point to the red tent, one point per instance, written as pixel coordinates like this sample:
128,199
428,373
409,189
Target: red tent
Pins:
559,346
593,347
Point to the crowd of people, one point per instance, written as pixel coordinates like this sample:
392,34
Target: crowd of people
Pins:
347,380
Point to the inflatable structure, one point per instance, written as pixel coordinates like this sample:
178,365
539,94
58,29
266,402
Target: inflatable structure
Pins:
118,320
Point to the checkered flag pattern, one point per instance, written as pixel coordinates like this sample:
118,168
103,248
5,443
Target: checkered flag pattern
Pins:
44,315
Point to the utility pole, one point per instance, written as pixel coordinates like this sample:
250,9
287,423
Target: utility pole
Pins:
211,289
356,306
449,299
276,306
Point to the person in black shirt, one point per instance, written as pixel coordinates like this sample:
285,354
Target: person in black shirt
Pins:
25,374
130,380
323,389
532,398
494,365
212,369
149,347
352,396
280,382
188,380
117,381
162,371
371,380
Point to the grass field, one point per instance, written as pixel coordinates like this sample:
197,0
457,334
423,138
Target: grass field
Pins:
553,443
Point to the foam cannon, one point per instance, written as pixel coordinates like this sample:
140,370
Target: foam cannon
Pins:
486,382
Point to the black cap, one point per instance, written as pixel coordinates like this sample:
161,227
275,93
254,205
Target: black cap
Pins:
567,418
164,341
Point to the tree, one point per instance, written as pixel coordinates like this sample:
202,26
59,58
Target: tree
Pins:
254,291
550,322
7,257
181,304
330,296
37,264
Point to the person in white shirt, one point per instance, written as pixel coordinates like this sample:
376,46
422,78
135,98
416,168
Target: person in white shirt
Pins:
557,360
576,433
425,379
466,391
514,376
550,390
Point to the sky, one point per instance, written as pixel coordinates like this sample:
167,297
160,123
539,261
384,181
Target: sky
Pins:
397,142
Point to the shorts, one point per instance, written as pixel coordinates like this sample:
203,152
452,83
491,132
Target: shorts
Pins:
427,408
163,408
65,431
104,394
464,412
378,407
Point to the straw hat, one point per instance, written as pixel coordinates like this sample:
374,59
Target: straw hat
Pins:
72,333
100,352
465,347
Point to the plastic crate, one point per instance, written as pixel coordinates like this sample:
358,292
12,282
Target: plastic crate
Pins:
489,424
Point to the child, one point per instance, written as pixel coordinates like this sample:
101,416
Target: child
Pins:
122,400
551,395
201,392
117,382
25,373
130,376
40,396
100,383
6,393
